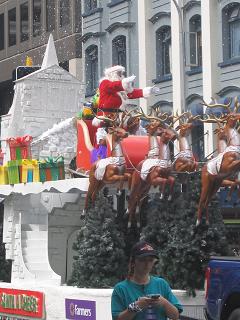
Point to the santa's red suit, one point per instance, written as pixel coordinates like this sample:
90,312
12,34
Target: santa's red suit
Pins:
109,95
115,90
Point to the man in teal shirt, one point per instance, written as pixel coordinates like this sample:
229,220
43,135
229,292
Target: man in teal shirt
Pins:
141,296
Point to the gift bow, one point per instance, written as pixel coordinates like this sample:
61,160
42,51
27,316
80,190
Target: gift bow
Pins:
54,160
20,140
31,162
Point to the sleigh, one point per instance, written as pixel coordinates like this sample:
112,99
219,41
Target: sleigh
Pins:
134,147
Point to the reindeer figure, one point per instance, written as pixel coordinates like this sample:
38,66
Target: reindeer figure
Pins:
224,165
153,171
111,169
221,147
185,161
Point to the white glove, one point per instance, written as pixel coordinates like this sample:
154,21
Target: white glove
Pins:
130,79
148,91
155,90
127,83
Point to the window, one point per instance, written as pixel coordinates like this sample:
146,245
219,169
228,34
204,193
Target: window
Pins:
198,141
1,31
24,32
64,13
50,15
163,51
90,5
119,51
78,15
91,69
234,32
12,39
37,17
195,41
231,31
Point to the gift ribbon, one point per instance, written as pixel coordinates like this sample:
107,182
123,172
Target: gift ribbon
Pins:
30,164
20,140
52,160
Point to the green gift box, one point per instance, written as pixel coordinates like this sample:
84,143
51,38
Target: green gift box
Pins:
52,169
13,171
42,171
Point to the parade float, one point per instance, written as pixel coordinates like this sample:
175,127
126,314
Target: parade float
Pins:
41,136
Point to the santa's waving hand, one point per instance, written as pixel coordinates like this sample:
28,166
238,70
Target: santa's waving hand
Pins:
115,90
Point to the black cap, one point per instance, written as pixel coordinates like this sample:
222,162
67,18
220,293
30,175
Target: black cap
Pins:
143,249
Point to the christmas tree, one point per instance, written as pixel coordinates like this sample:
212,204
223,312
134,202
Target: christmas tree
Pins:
5,265
184,249
100,261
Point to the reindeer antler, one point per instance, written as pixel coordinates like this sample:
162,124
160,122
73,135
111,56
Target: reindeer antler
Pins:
104,118
236,105
216,105
178,118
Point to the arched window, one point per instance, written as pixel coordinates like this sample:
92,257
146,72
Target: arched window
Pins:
91,69
163,51
195,41
231,31
90,5
119,56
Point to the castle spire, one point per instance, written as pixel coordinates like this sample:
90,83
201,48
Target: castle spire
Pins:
50,56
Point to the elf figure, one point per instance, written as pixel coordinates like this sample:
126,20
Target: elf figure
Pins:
100,150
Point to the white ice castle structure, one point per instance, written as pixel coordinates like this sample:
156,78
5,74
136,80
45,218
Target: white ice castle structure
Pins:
41,219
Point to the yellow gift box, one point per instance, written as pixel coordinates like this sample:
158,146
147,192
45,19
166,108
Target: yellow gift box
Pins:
3,174
30,171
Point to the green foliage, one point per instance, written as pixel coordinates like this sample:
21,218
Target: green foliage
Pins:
5,265
100,261
184,249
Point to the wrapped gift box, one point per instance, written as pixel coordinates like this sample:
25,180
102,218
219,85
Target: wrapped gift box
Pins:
30,171
52,169
20,147
42,170
3,174
13,171
1,157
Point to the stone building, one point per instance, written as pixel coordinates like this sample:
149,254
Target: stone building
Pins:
164,42
25,26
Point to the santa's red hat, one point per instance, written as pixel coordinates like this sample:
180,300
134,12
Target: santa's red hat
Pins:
109,71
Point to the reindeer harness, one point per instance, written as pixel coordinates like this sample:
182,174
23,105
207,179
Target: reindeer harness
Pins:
103,163
150,163
214,165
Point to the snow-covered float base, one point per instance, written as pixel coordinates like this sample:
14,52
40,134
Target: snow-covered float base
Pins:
57,298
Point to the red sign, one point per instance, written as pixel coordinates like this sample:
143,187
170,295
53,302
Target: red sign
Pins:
22,302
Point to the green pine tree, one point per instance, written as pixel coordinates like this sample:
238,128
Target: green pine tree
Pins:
5,265
100,261
184,249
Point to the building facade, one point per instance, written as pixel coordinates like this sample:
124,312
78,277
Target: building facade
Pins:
25,26
190,49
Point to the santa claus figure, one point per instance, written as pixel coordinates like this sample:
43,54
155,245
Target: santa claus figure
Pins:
114,93
115,90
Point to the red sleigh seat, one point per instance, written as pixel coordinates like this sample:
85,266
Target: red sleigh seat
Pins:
134,148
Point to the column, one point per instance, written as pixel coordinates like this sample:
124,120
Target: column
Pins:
142,49
178,62
210,56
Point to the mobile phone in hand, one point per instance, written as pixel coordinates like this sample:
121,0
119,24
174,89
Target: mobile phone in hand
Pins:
154,296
